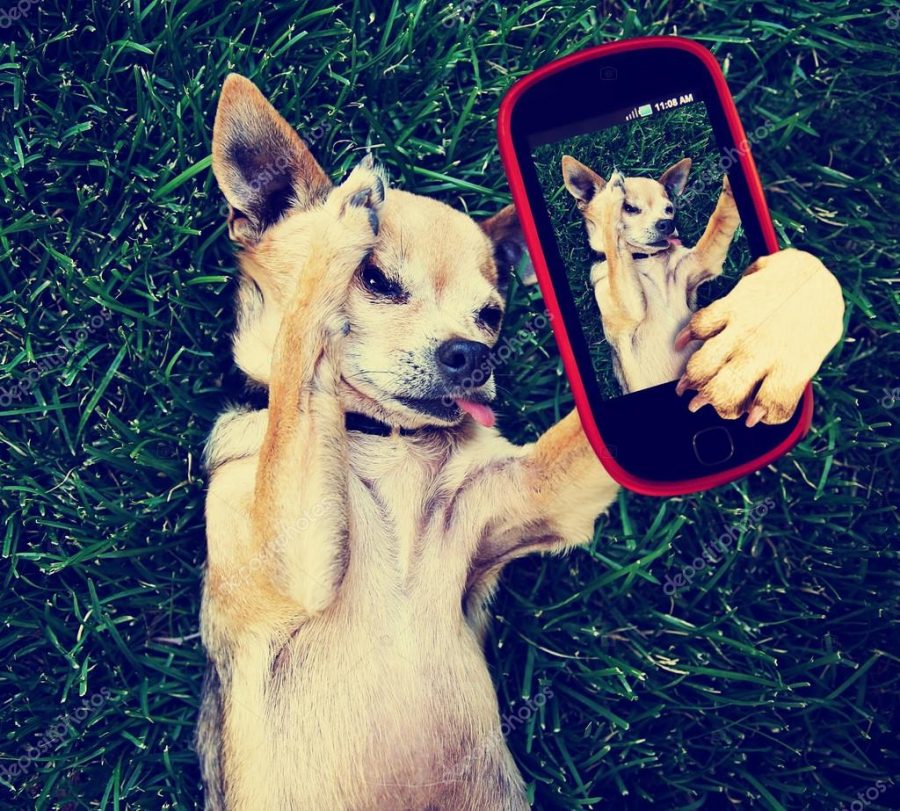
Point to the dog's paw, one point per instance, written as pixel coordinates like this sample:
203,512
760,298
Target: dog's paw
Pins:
764,341
613,197
355,207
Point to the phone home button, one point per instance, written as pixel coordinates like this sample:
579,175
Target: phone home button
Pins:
712,446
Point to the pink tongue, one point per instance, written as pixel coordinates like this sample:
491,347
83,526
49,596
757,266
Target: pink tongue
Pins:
481,413
673,240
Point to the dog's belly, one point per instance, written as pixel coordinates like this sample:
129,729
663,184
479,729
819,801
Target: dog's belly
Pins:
650,354
369,713
645,352
382,700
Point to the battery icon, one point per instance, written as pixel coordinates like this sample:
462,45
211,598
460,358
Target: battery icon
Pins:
645,110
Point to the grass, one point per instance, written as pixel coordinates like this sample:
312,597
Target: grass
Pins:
641,148
771,682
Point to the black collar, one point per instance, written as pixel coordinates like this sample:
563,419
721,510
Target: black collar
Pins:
353,421
255,397
600,256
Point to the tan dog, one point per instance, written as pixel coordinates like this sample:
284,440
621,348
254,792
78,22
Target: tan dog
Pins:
645,281
357,525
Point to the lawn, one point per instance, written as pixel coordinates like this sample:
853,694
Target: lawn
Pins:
770,682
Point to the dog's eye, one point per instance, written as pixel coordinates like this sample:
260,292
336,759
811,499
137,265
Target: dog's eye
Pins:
376,282
630,209
491,316
670,210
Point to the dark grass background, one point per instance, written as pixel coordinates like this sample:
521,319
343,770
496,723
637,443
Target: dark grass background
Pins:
771,682
645,147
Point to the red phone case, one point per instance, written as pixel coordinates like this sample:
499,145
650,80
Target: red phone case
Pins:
520,198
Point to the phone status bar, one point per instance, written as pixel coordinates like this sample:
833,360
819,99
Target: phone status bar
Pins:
658,106
625,115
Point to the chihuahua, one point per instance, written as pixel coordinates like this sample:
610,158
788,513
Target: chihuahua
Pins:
360,511
645,281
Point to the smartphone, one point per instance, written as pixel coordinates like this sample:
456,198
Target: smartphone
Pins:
647,125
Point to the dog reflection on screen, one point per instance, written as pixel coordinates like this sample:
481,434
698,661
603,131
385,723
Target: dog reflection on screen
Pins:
645,281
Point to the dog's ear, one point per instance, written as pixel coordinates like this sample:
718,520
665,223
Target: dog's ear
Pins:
583,183
262,165
675,177
504,230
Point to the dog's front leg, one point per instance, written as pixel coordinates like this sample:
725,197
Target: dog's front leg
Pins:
711,250
627,305
300,492
545,498
296,552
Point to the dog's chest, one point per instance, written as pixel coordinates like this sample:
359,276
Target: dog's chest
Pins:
389,483
388,685
665,290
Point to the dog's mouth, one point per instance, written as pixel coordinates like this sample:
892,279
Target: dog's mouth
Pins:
449,407
670,241
444,406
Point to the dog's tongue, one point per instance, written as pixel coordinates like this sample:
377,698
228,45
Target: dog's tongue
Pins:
673,240
481,413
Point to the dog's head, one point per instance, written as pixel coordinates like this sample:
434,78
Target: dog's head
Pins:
648,212
424,309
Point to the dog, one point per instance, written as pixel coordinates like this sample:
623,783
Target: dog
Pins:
645,281
360,512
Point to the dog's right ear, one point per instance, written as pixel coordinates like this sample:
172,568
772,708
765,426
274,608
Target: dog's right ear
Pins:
675,177
262,165
583,183
505,232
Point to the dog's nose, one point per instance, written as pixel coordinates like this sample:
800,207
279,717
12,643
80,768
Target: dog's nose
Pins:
458,360
665,227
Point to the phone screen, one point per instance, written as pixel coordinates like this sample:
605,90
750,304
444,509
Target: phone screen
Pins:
645,228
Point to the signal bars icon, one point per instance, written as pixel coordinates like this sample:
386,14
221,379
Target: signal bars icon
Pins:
639,112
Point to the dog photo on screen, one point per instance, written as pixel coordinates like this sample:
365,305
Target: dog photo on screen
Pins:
649,232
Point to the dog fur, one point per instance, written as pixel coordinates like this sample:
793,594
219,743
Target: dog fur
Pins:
646,287
348,575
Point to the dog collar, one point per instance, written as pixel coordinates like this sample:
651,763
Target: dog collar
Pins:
600,256
354,421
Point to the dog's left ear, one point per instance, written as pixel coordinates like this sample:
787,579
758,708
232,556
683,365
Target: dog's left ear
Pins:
504,230
263,167
581,181
675,177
